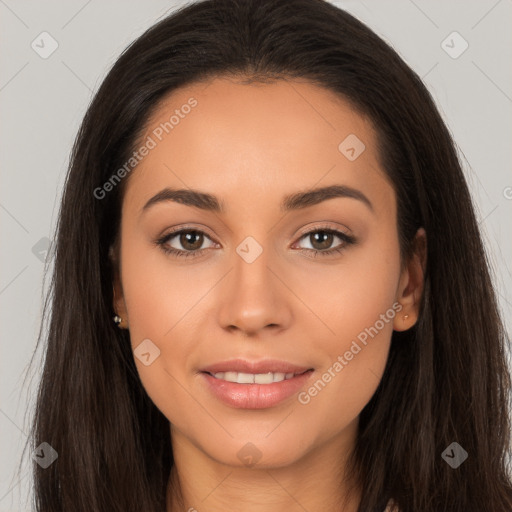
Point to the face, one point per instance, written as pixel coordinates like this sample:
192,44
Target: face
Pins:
267,271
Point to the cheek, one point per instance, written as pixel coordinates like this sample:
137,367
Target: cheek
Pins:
159,292
351,295
358,303
163,301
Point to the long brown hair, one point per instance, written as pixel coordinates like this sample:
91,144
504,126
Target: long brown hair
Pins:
446,378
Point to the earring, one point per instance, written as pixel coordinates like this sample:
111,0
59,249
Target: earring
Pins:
405,317
117,320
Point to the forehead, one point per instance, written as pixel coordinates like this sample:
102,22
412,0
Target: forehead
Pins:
225,136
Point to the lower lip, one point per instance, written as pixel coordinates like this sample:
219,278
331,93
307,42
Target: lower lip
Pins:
255,396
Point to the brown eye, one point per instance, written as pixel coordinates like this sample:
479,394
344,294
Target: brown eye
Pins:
321,240
189,243
191,240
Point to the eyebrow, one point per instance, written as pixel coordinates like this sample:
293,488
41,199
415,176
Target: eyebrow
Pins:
295,201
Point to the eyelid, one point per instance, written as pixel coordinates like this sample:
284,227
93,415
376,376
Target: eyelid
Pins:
187,227
324,225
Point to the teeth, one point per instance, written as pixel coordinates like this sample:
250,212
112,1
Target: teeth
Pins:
264,378
253,378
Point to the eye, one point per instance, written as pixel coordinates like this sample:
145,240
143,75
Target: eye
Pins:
190,239
322,238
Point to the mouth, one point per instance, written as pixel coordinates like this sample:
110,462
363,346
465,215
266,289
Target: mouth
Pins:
254,385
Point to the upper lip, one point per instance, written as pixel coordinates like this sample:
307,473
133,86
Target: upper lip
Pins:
263,366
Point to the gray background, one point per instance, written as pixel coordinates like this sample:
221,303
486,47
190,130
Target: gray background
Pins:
42,102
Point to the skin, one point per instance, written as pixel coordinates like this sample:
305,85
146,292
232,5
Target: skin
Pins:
250,145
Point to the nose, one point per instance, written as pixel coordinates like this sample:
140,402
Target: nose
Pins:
254,298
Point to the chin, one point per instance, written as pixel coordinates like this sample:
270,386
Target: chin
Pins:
256,453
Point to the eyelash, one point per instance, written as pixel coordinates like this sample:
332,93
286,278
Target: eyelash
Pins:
347,240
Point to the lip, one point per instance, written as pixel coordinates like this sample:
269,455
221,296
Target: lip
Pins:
255,396
263,366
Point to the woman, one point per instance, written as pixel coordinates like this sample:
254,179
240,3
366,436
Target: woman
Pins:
270,291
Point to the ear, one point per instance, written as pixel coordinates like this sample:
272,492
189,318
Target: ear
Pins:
119,304
411,284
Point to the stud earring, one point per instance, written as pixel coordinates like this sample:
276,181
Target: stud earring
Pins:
405,317
117,320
